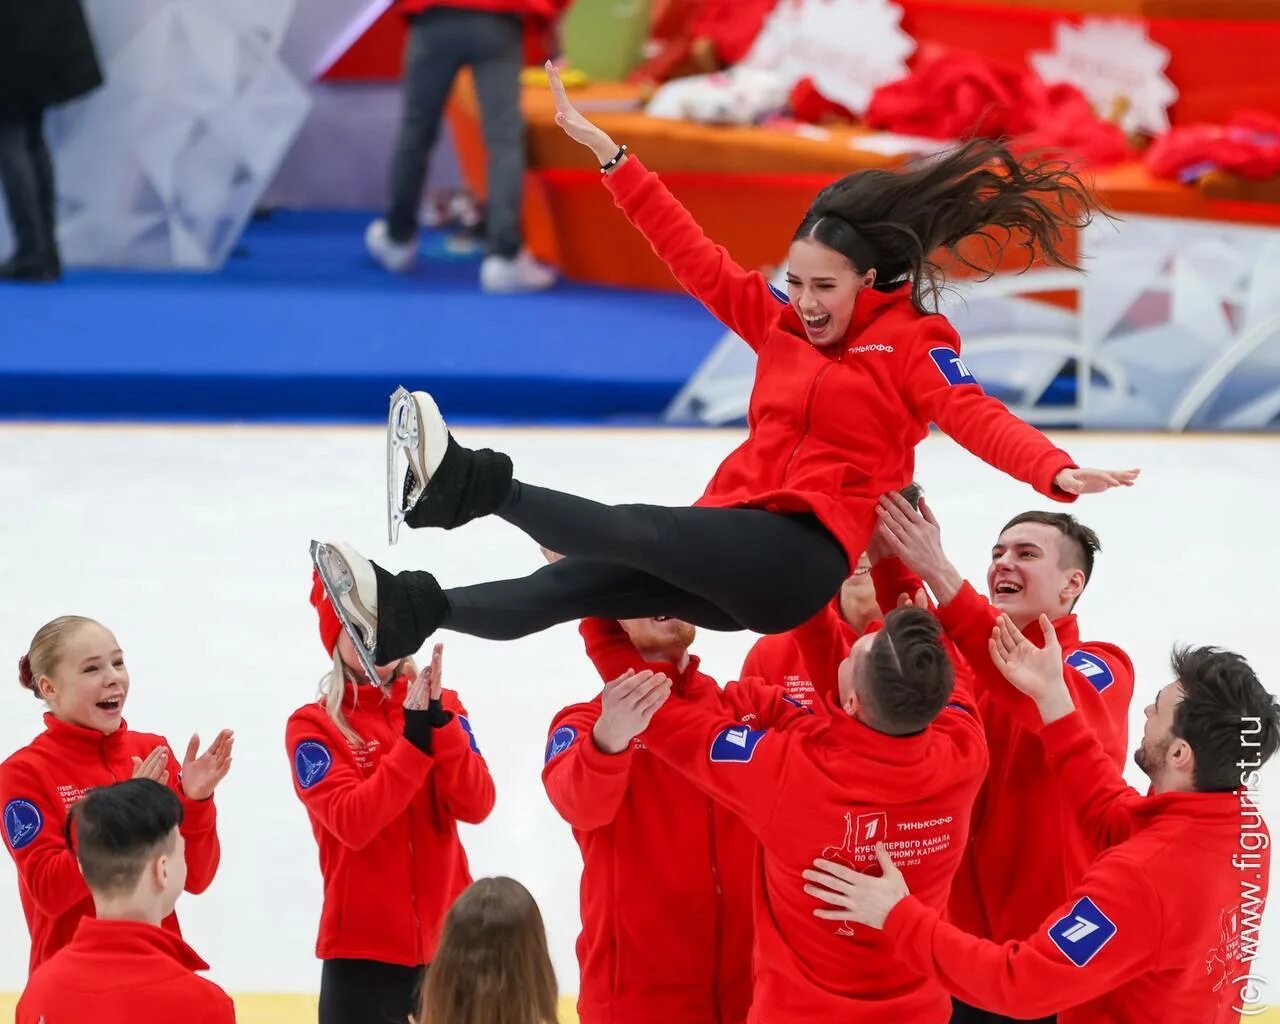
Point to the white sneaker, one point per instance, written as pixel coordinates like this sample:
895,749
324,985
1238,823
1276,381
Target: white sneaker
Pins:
390,254
500,275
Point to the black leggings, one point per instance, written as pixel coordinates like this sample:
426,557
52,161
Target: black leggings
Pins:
368,992
721,568
963,1013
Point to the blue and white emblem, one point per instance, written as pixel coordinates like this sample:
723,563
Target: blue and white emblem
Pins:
560,741
951,366
311,762
1083,932
1093,668
736,743
22,823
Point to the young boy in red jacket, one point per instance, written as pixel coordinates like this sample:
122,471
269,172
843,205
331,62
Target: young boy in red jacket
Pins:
1163,926
1027,851
666,872
901,756
122,967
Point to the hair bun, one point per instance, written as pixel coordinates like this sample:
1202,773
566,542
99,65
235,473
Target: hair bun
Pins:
24,673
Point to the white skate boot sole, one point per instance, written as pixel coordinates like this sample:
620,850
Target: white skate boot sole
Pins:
352,587
417,439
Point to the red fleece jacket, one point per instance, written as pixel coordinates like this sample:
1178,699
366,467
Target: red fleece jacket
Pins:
830,430
40,782
1163,926
385,817
666,872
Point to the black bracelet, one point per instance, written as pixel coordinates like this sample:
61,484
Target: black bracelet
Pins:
617,159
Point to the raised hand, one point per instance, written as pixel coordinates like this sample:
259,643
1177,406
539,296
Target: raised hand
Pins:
1036,671
427,684
154,766
201,775
914,536
575,125
1091,481
628,705
855,896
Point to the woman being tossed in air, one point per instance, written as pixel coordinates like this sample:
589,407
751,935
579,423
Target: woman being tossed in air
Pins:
852,368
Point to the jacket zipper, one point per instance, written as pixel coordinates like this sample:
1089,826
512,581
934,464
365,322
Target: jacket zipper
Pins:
413,861
719,895
808,418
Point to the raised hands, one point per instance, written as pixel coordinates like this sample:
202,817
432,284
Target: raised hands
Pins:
629,704
575,125
155,766
914,537
201,775
853,895
1091,481
1036,671
428,685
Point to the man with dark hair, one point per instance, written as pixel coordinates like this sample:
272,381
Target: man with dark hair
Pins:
121,965
898,758
1026,851
1128,944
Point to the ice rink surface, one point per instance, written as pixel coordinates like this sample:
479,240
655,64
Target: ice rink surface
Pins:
191,544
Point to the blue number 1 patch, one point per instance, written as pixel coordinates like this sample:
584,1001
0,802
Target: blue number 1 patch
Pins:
949,363
1083,932
1092,668
736,743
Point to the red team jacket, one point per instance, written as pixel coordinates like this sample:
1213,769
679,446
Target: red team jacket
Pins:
1162,928
1027,851
806,451
385,818
40,782
666,872
777,659
123,972
813,785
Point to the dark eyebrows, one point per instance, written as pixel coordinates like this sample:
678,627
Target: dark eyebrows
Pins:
1025,545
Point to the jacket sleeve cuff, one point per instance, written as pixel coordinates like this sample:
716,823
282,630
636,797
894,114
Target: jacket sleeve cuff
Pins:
198,815
450,740
905,922
1059,737
963,610
1054,463
599,762
626,178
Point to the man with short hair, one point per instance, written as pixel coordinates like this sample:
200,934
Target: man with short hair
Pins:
899,755
1163,926
1027,851
122,967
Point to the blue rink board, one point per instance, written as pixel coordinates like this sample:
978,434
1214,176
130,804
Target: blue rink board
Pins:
301,325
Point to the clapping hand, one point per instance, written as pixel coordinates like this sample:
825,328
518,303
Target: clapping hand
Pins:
201,775
575,125
628,706
1036,671
1091,481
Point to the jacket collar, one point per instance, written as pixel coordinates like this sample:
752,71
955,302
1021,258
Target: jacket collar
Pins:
875,745
1067,628
1204,810
367,697
115,938
70,735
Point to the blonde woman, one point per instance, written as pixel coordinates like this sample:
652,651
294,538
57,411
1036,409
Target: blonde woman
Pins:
386,769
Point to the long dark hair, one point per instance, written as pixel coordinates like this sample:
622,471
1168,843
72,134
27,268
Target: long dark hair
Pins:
492,965
893,221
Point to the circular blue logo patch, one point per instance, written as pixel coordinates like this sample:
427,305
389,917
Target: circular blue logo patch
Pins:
311,762
561,740
22,823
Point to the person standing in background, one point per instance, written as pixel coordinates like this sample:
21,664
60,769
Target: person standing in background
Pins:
46,58
444,37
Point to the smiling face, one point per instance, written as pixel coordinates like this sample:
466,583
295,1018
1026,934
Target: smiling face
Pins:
1029,575
88,684
823,286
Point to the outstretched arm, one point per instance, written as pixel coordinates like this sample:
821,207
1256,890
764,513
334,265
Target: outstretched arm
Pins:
940,388
741,300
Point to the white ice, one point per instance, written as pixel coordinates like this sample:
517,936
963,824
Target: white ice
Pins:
191,543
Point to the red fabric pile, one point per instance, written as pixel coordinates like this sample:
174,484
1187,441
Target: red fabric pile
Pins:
1248,145
953,95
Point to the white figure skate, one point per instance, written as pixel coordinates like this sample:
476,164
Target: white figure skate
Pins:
352,586
416,430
